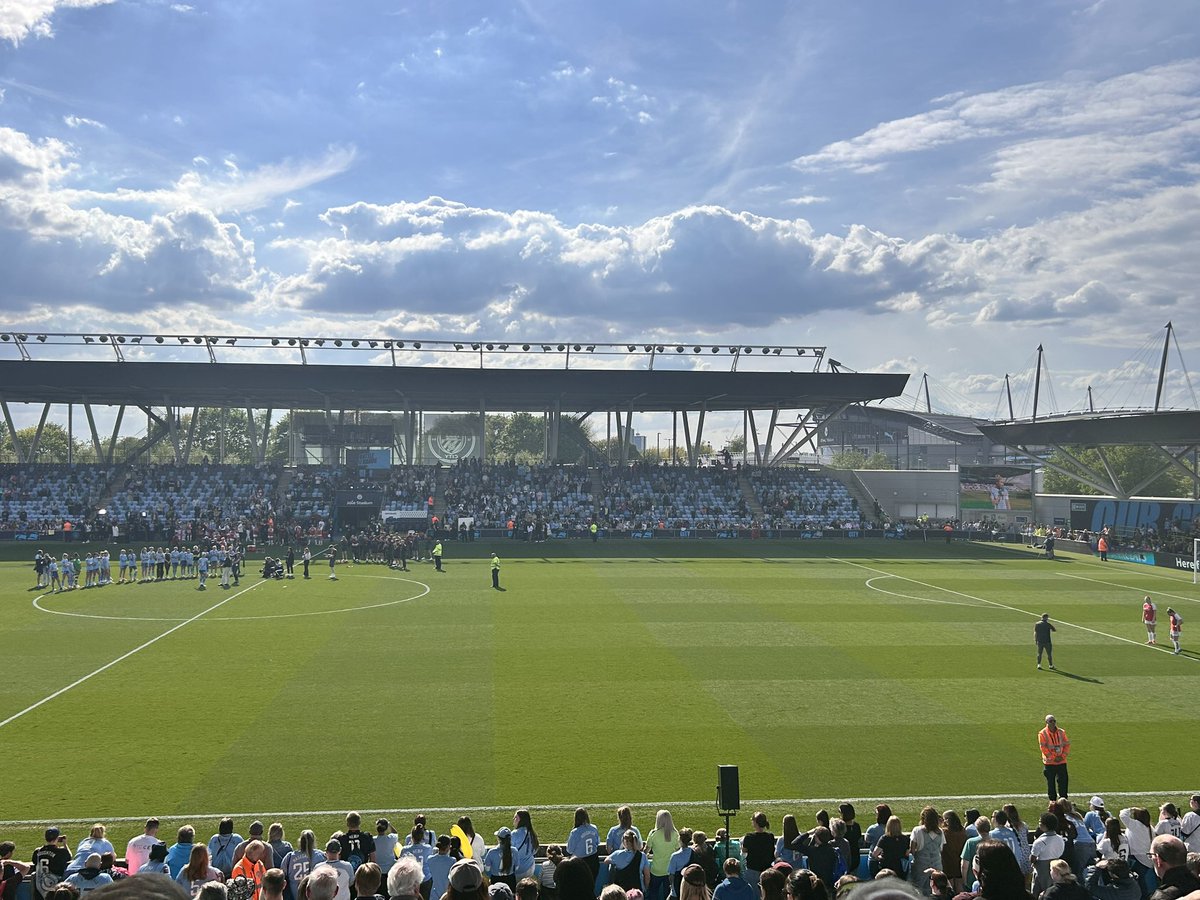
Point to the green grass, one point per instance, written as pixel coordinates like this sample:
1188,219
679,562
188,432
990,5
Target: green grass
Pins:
593,679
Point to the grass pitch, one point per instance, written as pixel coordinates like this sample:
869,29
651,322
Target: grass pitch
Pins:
824,670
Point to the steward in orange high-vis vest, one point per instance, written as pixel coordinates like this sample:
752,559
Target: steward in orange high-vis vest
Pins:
1054,744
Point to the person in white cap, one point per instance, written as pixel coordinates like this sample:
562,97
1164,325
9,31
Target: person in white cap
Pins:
1095,817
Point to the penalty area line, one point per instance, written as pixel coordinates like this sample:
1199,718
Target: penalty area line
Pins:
123,656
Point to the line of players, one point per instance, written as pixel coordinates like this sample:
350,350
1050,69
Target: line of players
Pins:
151,564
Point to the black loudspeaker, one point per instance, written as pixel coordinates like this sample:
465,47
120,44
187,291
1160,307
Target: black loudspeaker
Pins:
728,794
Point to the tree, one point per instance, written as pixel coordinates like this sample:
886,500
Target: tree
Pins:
736,446
522,438
1130,464
52,448
878,460
848,459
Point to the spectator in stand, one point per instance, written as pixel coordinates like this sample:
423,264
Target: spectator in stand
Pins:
256,833
96,842
322,884
343,870
251,866
366,882
629,867
1063,883
137,852
694,884
616,834
804,884
279,847
1138,835
299,864
1170,865
524,844
438,866
680,860
181,851
221,846
893,850
584,841
90,876
997,872
927,841
660,844
156,864
50,863
273,884
783,846
758,847
735,887
405,877
1190,825
1113,845
572,877
198,872
954,839
1110,879
386,841
478,848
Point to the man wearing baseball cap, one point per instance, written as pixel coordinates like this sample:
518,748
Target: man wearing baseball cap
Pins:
1054,744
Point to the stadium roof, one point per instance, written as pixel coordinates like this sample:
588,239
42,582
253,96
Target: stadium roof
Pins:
1170,429
289,386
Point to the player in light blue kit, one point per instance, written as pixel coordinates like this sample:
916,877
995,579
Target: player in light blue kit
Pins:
203,564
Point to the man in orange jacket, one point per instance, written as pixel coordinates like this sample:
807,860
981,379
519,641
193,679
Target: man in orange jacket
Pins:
1054,744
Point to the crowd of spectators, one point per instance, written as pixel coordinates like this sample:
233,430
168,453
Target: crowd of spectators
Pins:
40,497
559,498
645,496
1068,853
187,504
796,498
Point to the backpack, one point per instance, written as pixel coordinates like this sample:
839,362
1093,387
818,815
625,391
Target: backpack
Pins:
839,865
240,888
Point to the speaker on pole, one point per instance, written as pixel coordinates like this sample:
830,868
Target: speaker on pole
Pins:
728,794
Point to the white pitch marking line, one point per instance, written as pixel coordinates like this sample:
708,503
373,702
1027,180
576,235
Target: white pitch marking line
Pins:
321,612
1136,590
659,804
1142,571
911,597
1015,609
124,656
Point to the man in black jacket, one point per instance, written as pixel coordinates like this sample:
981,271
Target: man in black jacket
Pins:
1170,865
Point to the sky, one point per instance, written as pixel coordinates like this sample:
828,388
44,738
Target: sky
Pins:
926,187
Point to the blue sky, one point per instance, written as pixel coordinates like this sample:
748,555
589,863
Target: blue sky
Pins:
922,186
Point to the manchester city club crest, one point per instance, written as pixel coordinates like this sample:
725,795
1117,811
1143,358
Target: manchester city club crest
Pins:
449,448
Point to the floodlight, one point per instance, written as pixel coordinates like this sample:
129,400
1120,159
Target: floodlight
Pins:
504,346
41,338
766,349
387,345
373,344
320,342
491,346
800,352
291,342
230,341
197,340
399,345
303,342
104,338
88,340
591,348
661,348
120,338
562,347
274,342
777,350
546,348
577,348
458,346
416,345
749,349
354,343
524,346
679,348
474,346
649,347
630,347
22,337
337,342
716,349
136,340
5,337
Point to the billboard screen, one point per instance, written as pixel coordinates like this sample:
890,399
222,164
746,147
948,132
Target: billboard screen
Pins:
379,458
998,488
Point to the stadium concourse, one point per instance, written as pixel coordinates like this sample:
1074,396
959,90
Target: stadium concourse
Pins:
944,854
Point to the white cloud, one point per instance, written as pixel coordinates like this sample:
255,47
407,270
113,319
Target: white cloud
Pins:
806,200
21,18
80,121
1139,109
